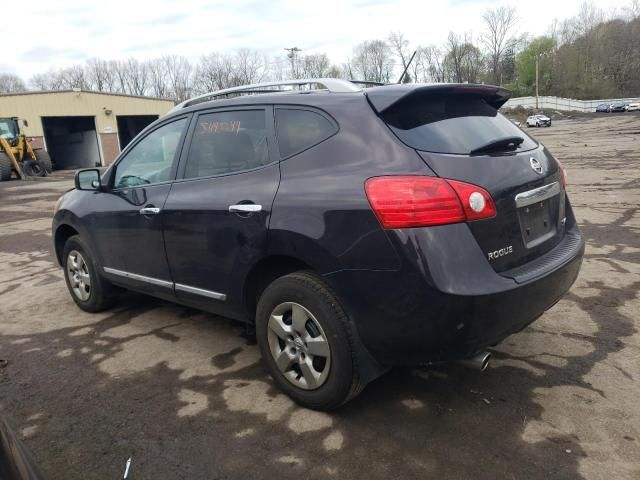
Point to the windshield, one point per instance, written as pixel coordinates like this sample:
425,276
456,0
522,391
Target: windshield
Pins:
456,124
8,129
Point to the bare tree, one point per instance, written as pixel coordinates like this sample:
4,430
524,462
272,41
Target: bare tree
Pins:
159,86
316,65
214,72
632,10
10,83
399,46
99,75
250,66
372,61
432,64
463,60
119,71
178,77
500,24
588,18
137,76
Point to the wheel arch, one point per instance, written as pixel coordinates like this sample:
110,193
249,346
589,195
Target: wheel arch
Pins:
62,234
265,272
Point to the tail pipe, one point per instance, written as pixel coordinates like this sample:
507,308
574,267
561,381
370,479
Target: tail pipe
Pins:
479,362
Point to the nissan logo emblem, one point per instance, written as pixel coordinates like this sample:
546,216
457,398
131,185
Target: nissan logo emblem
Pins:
536,165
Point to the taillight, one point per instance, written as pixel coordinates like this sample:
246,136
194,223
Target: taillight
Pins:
563,174
416,201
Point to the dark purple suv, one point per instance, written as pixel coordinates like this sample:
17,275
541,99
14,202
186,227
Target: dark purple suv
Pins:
356,229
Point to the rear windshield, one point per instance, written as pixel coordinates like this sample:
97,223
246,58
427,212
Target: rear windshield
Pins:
451,124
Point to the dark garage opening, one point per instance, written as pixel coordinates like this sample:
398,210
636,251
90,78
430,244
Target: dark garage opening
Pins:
131,125
72,142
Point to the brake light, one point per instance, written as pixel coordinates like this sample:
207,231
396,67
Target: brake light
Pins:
416,201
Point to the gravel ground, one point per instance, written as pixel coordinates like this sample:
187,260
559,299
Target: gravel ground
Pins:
184,394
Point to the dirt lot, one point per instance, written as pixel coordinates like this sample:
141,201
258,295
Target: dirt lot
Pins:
184,394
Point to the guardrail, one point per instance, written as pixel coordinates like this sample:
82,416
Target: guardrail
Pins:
566,104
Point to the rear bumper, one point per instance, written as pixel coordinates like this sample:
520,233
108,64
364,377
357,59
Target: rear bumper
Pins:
447,303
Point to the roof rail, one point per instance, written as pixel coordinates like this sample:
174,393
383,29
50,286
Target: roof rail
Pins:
333,85
368,83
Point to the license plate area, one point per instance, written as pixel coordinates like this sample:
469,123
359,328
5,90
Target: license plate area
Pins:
537,223
538,214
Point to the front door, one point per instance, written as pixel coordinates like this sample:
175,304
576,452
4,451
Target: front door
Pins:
217,214
127,225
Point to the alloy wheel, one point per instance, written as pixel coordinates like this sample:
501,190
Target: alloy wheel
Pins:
78,274
299,346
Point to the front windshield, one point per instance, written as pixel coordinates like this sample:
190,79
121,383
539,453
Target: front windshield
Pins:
8,129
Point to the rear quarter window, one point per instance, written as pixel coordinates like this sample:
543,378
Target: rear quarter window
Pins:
454,124
299,129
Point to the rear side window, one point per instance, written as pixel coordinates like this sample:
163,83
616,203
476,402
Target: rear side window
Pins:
451,124
227,142
299,129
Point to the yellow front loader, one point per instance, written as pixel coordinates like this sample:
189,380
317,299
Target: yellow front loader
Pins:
16,154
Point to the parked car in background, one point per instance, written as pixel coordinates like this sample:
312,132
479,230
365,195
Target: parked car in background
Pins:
633,107
517,123
618,107
603,108
538,121
355,229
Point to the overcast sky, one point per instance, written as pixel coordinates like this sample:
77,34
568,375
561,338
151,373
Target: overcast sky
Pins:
51,34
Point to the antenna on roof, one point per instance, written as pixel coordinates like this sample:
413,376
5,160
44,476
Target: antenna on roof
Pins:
404,72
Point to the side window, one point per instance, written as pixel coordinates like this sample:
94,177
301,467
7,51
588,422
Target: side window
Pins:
151,159
298,130
227,142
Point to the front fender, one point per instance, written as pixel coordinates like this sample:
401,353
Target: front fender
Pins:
69,214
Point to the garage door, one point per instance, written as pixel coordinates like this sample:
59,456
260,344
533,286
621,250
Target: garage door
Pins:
72,142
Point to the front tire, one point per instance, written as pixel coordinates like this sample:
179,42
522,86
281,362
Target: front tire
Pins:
91,292
306,342
31,168
5,167
44,160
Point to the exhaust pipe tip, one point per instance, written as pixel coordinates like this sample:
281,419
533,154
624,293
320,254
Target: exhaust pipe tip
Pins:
478,362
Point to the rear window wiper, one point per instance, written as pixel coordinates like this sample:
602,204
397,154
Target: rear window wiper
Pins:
505,144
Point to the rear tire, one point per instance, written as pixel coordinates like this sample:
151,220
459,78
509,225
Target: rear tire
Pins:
31,168
44,160
91,292
301,326
5,167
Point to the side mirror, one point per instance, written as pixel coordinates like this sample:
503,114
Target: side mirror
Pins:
88,179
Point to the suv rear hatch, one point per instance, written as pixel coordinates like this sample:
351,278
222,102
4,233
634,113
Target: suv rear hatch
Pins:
459,133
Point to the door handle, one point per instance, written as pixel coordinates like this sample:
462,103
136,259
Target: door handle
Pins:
245,208
149,211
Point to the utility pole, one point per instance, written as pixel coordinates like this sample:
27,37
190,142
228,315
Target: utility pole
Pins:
293,58
537,60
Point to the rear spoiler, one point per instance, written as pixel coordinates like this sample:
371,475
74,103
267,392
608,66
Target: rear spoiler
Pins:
381,98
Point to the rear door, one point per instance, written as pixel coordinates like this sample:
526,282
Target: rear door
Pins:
217,214
448,129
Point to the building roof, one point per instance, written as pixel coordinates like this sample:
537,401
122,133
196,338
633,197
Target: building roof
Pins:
49,92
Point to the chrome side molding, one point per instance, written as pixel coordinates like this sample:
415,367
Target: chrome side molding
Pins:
167,284
537,194
140,278
200,291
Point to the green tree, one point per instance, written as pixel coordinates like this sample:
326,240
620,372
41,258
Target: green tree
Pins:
542,47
